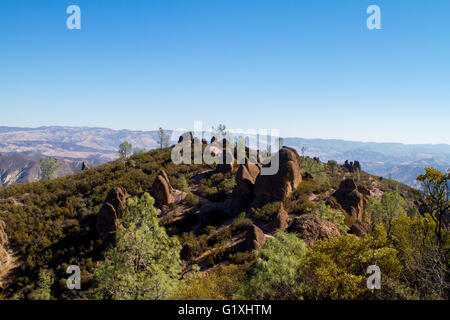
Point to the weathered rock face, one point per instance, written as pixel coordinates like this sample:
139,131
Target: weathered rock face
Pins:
311,228
84,166
285,181
243,191
359,229
280,220
350,199
162,189
254,239
112,209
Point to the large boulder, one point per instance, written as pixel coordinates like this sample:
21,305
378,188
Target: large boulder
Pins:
243,191
350,199
280,221
162,189
254,238
284,182
112,209
84,166
311,228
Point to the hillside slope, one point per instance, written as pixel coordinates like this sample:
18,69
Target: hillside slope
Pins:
52,224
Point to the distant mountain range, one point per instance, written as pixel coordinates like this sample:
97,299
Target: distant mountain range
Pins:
404,162
21,148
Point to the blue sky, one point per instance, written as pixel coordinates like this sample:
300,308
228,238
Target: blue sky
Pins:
309,68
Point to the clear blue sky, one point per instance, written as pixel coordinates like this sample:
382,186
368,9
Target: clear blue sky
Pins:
310,68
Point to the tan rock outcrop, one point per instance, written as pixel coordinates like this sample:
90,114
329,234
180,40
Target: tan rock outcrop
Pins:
311,228
285,181
112,209
84,166
242,195
280,220
162,189
254,238
350,199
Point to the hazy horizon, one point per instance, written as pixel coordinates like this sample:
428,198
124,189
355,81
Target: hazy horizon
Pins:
210,130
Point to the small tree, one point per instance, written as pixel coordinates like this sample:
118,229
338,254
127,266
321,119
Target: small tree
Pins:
390,208
333,166
163,138
125,150
220,131
145,263
435,185
303,150
49,168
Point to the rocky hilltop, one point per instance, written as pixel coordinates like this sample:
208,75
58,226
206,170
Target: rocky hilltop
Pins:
220,214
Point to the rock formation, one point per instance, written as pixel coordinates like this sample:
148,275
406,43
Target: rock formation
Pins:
280,220
162,189
254,239
352,166
163,192
350,199
112,209
243,191
359,229
84,166
311,228
284,182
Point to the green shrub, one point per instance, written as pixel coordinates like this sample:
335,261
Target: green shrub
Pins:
241,222
218,284
217,187
277,271
335,216
266,212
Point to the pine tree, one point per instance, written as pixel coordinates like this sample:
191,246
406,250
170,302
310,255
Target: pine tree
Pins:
144,263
